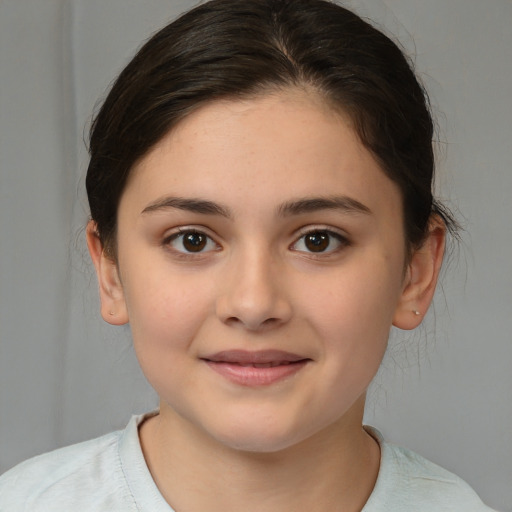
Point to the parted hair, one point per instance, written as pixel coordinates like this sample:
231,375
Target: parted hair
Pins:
230,49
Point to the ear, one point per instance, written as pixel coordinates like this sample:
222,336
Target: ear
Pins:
113,306
421,277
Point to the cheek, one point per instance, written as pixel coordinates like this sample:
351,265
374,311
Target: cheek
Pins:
352,310
165,313
360,299
355,336
165,317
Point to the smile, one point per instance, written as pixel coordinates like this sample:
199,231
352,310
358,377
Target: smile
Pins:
255,369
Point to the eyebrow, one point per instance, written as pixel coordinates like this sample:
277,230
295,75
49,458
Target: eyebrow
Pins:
201,206
308,205
296,207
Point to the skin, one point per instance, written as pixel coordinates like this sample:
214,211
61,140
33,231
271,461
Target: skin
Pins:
257,285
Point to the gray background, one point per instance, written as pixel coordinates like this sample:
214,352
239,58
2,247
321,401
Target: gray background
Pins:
443,391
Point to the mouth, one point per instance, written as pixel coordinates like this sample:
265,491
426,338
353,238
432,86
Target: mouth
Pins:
260,368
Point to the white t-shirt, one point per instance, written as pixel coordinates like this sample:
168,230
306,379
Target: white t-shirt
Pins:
109,474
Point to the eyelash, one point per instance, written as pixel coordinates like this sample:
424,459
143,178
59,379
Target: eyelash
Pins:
184,232
329,236
326,236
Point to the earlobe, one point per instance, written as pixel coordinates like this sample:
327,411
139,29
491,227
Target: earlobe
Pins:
421,277
113,306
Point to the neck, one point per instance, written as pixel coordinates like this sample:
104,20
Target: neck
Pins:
333,470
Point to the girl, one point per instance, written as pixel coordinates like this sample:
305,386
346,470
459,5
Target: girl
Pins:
261,214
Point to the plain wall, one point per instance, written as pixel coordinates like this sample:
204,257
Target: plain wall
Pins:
65,377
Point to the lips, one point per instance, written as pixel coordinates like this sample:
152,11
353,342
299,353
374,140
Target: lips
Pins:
259,368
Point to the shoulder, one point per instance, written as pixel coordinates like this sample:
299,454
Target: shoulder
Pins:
86,475
408,481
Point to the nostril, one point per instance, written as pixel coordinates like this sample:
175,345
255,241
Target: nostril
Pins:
255,326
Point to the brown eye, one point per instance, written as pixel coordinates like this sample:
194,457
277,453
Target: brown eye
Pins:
191,242
320,241
317,242
194,242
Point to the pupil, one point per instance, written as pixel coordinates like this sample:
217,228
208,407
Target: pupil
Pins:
194,242
317,242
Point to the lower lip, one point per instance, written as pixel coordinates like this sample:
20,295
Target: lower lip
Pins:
251,376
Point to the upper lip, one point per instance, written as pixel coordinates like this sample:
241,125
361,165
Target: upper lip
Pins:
256,357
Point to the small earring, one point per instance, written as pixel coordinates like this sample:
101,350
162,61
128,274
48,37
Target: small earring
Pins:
112,313
416,312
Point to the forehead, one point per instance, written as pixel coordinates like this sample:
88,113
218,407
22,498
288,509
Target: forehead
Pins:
266,149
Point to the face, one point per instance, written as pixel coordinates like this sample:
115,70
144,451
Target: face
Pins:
261,263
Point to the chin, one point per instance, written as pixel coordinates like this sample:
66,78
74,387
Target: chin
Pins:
260,436
257,442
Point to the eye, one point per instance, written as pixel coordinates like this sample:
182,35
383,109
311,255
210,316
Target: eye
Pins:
191,241
319,241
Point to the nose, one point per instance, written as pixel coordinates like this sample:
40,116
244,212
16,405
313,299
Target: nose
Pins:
253,293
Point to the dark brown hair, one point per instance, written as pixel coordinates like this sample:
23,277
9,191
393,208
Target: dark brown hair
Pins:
241,48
